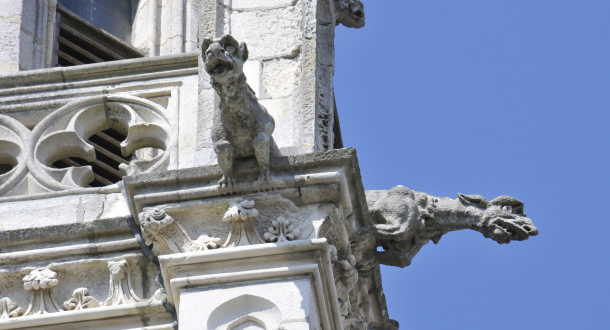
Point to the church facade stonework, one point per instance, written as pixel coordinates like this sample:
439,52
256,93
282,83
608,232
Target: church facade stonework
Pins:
237,206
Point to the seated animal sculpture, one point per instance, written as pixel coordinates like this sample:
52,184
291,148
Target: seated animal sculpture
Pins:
242,127
406,220
350,13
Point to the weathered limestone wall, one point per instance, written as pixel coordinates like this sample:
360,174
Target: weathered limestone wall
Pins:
24,42
163,27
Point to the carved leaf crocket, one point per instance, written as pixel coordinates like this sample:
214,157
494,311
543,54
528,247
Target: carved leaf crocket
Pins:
406,220
242,127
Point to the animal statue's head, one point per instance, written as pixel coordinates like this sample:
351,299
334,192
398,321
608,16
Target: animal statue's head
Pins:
503,218
350,13
224,58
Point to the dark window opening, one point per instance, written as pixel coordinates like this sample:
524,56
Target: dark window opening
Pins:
5,168
108,156
79,42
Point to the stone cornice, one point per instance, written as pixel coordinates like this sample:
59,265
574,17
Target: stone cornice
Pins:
48,77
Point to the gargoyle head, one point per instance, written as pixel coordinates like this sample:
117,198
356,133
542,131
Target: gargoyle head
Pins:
350,13
503,219
224,58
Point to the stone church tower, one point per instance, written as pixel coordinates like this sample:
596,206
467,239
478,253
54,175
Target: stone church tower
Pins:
115,213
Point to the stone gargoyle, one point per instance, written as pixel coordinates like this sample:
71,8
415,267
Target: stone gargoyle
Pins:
350,13
242,127
406,220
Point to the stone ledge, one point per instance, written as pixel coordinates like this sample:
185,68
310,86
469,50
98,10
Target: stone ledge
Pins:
319,168
97,71
112,317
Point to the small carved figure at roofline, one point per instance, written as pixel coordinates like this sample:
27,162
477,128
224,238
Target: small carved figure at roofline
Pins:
350,13
242,127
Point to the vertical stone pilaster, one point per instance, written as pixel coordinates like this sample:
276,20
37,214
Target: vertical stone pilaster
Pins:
26,35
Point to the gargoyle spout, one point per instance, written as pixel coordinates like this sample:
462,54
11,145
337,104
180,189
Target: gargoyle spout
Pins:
406,220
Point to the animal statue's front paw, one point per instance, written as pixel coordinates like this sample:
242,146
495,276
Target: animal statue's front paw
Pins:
265,181
227,184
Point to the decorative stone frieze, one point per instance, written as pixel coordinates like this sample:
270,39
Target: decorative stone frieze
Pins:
41,283
121,289
81,300
9,308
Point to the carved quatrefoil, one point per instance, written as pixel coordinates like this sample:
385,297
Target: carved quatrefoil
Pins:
65,133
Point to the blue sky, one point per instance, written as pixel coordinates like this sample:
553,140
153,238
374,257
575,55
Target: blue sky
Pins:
491,98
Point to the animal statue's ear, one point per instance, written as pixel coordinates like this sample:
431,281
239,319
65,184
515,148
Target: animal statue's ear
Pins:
476,200
243,48
205,44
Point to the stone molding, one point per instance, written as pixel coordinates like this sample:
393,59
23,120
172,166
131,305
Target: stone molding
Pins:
303,258
111,317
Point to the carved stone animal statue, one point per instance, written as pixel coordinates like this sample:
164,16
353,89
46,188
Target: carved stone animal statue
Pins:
406,220
349,13
242,127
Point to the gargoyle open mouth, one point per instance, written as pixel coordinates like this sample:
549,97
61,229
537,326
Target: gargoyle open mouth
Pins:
219,65
359,14
504,230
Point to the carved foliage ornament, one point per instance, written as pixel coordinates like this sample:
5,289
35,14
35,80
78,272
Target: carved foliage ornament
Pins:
64,133
351,291
243,231
281,230
81,300
170,237
121,289
9,309
41,283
